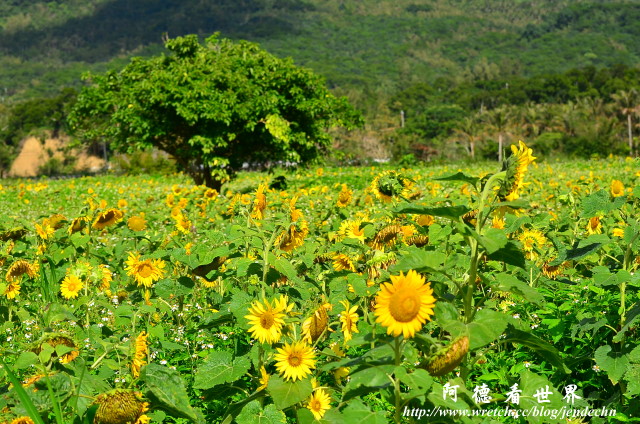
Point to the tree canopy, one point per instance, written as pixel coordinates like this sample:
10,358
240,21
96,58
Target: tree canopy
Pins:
212,106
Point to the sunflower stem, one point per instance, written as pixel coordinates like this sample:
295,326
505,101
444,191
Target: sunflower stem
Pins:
397,348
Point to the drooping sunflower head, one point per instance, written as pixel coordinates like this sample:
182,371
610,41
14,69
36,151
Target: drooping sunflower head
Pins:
405,304
342,262
594,226
386,237
57,221
352,229
348,319
78,224
59,339
531,241
553,271
316,324
121,407
390,184
259,202
20,268
448,358
515,167
140,353
13,234
107,218
293,237
295,360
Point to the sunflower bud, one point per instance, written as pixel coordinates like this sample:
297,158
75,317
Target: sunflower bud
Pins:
447,359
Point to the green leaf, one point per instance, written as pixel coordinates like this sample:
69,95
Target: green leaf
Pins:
167,388
614,363
252,413
509,283
450,212
486,327
357,412
542,348
599,203
219,368
419,260
492,241
285,393
509,254
26,401
531,385
459,176
25,360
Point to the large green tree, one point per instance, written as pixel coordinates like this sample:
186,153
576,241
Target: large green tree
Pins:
213,107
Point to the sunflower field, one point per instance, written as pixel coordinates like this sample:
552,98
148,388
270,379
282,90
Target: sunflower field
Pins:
333,295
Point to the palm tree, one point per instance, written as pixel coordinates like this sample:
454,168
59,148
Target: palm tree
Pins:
499,121
628,103
469,130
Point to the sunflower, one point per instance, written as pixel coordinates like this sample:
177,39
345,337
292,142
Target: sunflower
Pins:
107,218
71,286
405,304
530,240
45,231
293,237
316,324
617,188
344,197
77,224
20,268
351,229
145,272
12,290
552,271
267,320
141,352
424,220
259,203
22,420
342,262
515,168
183,224
121,407
137,223
340,373
57,339
389,184
386,237
295,360
594,226
319,403
617,232
349,318
264,379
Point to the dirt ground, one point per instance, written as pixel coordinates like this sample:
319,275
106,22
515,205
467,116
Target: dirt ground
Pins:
35,153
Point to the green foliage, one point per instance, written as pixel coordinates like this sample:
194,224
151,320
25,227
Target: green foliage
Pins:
213,107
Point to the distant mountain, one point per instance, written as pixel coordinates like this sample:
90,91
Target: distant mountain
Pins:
371,46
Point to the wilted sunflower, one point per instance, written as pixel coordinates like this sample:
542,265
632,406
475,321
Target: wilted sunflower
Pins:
594,226
515,167
349,318
20,268
617,188
319,403
145,272
405,304
141,351
58,339
70,286
293,237
121,407
386,237
13,234
344,197
342,262
267,320
56,221
295,360
552,271
107,218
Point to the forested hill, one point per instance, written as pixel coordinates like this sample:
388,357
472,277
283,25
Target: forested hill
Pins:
358,45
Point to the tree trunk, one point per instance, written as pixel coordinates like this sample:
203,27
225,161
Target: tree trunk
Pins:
500,147
630,133
472,149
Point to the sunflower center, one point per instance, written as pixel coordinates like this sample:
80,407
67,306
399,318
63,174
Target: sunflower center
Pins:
145,270
267,320
404,305
295,359
315,405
